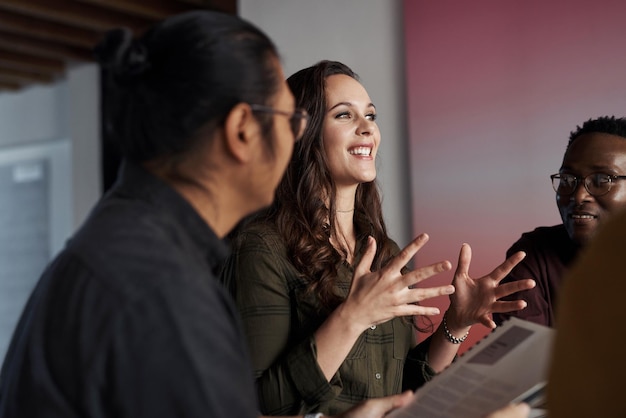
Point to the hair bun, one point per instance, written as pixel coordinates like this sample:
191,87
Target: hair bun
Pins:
125,57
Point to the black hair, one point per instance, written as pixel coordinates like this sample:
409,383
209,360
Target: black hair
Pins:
183,75
603,124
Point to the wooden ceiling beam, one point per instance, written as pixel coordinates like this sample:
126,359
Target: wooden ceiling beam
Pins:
20,61
6,85
226,6
39,39
153,9
73,13
18,76
38,47
16,24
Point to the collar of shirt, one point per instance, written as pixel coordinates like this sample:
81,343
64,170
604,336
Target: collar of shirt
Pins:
134,181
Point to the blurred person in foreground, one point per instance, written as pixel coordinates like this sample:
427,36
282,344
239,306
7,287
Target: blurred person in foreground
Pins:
590,339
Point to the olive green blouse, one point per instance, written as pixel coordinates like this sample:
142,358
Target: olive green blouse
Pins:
279,320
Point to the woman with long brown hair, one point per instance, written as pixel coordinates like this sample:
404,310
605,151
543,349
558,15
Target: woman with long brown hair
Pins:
326,299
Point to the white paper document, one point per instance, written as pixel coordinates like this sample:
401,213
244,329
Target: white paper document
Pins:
509,365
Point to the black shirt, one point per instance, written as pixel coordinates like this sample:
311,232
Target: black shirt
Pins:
129,320
549,254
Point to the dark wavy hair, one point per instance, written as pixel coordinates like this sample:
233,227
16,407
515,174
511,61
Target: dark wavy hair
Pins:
183,77
603,124
300,211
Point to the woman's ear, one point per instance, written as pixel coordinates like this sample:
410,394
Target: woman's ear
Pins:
241,132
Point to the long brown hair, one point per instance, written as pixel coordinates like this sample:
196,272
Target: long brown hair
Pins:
300,211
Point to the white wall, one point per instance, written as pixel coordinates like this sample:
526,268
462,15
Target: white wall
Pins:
367,35
55,126
83,105
66,111
36,114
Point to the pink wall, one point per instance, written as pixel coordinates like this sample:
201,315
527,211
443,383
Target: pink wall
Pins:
493,89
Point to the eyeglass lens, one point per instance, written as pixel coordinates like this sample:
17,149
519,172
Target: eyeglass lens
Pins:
597,184
298,124
295,126
297,120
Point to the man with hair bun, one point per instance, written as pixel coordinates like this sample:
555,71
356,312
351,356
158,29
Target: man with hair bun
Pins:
129,320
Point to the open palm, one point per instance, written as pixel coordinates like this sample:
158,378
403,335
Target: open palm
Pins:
476,299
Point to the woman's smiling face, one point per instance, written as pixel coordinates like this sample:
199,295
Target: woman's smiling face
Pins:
350,133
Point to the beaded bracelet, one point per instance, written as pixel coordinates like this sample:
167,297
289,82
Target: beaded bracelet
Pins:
449,336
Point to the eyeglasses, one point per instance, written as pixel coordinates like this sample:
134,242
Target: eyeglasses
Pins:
597,184
297,120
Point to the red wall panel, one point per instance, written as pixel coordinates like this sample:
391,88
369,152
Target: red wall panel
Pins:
493,90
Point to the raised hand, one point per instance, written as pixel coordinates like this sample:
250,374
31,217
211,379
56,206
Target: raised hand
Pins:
376,297
475,299
379,296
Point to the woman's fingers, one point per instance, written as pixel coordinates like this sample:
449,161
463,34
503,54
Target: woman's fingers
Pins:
413,277
505,268
486,320
407,253
465,257
502,306
521,410
414,310
387,293
510,288
393,268
420,294
365,265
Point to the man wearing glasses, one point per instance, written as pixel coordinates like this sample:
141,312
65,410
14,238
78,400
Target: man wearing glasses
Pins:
589,187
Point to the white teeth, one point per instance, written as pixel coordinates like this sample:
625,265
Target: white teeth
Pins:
360,151
583,217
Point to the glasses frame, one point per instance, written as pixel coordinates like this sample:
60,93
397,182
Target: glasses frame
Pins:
298,119
611,177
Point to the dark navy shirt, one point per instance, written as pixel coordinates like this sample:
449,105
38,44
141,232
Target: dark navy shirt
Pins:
129,320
